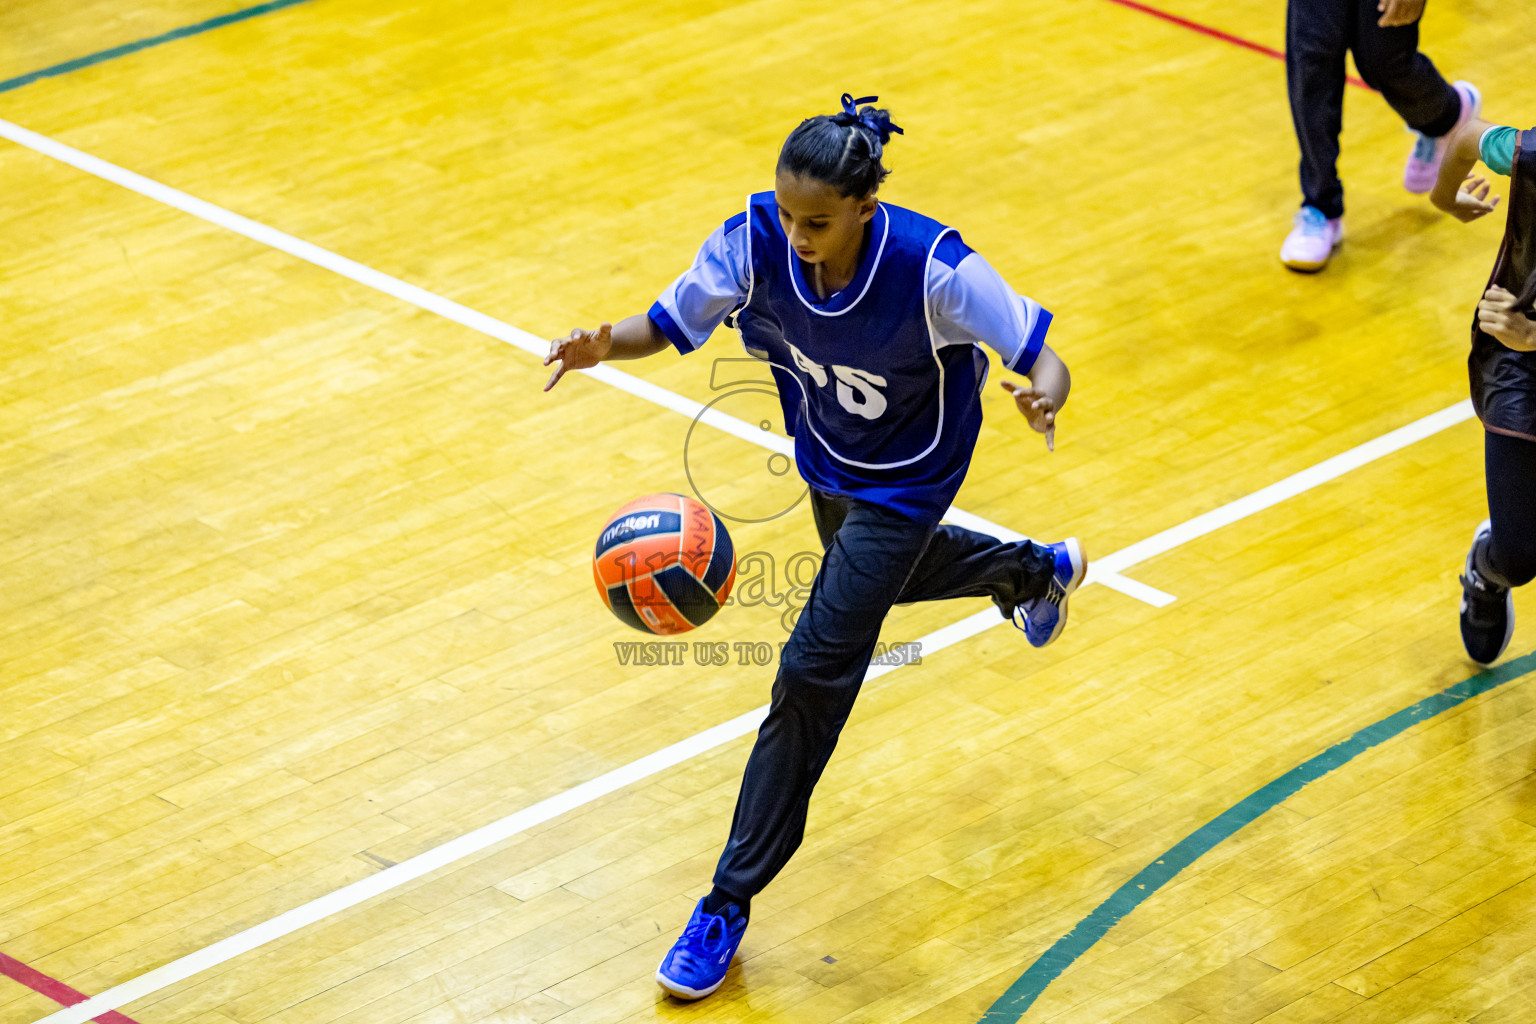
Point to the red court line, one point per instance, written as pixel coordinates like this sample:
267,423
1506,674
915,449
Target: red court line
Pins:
1216,33
54,989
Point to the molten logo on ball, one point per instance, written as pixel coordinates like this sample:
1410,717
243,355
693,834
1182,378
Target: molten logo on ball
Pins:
664,564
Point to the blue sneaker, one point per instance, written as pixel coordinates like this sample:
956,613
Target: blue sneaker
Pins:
699,959
1043,618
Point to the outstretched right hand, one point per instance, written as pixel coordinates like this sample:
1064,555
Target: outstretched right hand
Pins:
580,351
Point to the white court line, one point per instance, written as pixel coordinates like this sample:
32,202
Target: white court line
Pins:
1275,493
699,743
473,319
1106,570
1113,580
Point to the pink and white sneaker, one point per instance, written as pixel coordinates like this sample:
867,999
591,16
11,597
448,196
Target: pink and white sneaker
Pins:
1311,242
1424,161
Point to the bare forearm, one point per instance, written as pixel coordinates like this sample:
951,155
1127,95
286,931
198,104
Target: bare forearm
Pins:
1050,375
1461,156
636,337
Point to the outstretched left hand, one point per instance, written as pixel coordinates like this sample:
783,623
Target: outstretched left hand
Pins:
1039,410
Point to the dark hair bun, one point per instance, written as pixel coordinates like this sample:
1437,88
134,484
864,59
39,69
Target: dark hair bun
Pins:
872,119
845,149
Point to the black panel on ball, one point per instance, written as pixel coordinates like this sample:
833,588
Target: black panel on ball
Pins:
624,608
687,594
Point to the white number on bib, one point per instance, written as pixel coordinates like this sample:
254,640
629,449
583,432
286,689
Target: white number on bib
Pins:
868,403
816,370
856,389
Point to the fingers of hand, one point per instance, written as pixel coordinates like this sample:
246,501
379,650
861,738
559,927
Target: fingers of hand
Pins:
1472,208
1496,299
1041,416
554,378
1495,321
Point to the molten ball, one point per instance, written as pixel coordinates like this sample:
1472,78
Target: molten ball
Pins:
664,564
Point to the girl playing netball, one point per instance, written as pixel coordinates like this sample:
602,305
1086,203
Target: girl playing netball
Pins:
869,317
1502,367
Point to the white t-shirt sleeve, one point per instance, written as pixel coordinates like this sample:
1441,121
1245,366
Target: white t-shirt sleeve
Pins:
707,292
972,304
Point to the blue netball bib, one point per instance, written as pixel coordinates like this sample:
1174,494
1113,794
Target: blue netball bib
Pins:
878,408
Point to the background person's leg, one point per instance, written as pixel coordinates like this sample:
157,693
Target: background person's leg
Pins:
1390,62
1317,35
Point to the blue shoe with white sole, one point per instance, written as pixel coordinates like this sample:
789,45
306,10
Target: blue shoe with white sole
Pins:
701,956
1043,618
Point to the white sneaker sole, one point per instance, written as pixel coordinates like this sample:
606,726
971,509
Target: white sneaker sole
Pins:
1308,266
1312,266
1079,562
683,991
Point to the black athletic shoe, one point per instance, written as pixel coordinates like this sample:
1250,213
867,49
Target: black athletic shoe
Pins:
1487,609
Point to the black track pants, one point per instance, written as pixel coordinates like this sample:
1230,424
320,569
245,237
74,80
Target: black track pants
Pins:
1511,468
874,558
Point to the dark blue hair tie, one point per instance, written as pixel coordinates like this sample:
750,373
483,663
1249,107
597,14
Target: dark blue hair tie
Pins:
851,116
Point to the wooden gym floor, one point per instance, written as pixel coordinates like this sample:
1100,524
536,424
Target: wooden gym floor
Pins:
295,571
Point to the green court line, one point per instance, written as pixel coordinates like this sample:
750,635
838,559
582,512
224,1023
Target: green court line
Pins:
1012,1004
143,44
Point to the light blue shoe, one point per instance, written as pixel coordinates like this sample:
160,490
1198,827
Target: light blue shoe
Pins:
1043,618
701,956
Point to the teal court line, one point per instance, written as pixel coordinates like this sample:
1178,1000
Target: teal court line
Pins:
1012,1004
143,44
